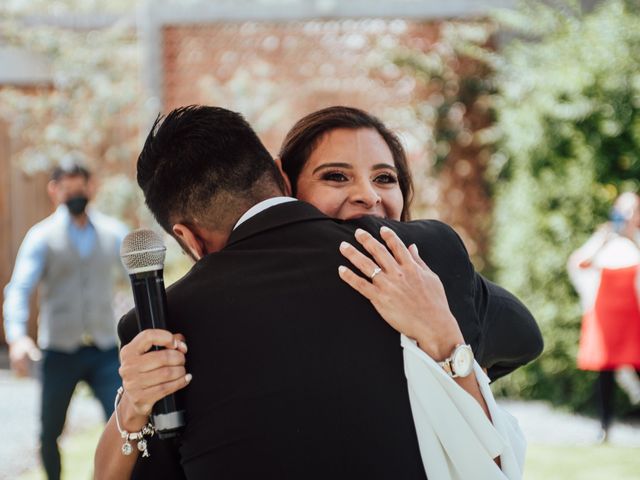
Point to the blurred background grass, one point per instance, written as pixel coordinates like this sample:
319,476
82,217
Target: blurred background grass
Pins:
77,456
599,462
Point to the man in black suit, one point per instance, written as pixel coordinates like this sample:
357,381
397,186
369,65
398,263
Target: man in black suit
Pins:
294,373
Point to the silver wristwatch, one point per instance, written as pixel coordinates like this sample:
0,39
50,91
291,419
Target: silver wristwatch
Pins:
460,363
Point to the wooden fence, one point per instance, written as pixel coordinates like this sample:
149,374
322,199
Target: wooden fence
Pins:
23,202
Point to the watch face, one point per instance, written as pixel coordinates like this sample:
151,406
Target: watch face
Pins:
462,360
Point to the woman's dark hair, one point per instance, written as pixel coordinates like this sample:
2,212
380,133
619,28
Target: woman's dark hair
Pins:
305,135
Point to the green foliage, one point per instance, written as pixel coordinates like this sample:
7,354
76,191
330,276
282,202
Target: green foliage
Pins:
450,120
454,86
568,109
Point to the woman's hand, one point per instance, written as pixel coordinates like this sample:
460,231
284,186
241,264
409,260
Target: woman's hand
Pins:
405,292
149,375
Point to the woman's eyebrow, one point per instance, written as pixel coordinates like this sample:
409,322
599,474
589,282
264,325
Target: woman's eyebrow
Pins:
333,165
379,166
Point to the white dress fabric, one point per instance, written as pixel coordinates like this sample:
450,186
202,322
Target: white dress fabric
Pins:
457,441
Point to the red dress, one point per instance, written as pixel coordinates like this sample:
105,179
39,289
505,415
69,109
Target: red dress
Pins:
610,335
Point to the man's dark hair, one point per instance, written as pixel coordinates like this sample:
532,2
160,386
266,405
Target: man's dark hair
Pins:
304,136
204,165
69,169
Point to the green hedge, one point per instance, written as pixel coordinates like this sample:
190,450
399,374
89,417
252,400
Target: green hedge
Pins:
568,109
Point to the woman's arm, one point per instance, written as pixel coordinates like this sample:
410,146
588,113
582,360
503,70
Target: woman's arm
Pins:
583,256
409,296
109,462
147,376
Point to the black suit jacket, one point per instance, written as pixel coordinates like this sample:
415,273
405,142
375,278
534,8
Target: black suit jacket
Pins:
294,373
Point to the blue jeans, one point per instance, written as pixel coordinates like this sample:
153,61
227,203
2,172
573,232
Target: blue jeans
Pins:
61,372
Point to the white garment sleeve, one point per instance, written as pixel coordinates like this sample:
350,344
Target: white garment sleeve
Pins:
586,281
30,263
457,441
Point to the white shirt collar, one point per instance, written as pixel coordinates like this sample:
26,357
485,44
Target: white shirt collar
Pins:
263,205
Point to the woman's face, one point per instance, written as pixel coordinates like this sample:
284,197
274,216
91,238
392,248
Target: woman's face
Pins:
351,173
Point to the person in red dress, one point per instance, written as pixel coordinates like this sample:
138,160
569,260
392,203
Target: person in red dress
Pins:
606,274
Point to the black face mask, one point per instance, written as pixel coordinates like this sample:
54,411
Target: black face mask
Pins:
76,205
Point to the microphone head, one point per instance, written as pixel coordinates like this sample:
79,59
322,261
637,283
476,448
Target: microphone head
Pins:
142,251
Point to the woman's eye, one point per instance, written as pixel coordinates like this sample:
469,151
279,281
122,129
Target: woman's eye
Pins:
386,178
334,177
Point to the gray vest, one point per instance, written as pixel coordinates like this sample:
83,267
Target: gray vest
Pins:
76,293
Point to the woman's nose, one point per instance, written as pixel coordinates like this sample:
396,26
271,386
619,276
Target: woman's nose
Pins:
364,193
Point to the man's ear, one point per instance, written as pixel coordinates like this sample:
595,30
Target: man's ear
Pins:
287,182
52,191
190,240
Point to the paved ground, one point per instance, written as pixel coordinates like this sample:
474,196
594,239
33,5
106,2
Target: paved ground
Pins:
542,424
19,423
19,412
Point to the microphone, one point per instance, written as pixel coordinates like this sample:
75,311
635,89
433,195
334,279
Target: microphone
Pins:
142,253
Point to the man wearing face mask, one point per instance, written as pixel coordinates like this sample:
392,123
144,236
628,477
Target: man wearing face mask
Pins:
72,256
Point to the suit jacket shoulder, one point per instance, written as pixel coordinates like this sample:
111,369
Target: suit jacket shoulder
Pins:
499,327
442,250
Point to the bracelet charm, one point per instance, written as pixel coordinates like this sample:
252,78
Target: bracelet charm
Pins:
127,449
142,447
147,430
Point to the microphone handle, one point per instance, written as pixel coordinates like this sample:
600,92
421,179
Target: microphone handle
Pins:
150,300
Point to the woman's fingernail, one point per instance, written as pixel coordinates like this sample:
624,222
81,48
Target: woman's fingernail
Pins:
188,377
175,344
344,245
184,346
360,232
342,269
385,229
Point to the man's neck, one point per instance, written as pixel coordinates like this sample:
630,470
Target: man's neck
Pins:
79,221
